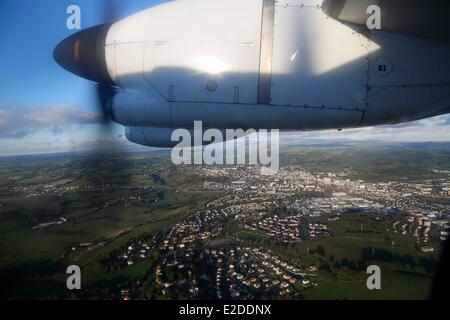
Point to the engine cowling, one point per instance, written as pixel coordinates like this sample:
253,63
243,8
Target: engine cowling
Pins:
151,136
131,108
138,109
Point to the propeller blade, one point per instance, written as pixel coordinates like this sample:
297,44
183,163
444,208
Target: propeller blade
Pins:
109,10
105,94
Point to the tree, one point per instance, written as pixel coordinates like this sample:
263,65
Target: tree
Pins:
344,262
320,250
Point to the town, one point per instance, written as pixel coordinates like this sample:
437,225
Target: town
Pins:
204,255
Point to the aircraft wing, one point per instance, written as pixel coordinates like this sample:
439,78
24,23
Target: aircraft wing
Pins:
426,19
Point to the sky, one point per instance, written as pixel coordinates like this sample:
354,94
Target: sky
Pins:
45,109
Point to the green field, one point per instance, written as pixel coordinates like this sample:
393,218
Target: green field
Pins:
239,233
394,285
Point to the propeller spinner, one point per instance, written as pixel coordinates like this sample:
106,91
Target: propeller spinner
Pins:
83,54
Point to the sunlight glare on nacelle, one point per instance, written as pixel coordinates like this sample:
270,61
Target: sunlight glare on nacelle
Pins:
211,65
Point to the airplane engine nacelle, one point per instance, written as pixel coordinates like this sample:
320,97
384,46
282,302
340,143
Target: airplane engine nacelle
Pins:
259,64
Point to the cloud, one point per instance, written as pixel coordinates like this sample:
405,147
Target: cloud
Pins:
19,121
428,130
27,130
